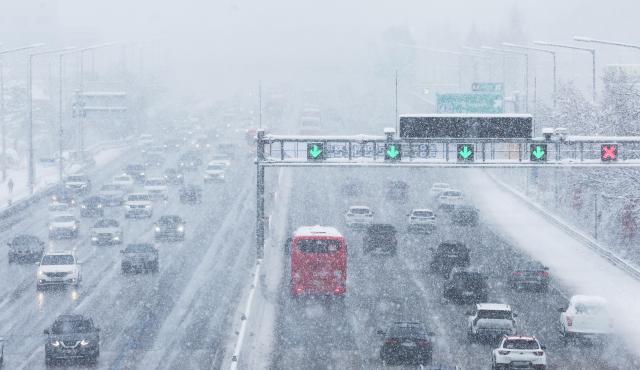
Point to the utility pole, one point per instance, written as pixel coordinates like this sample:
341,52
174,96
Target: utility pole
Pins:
259,103
397,132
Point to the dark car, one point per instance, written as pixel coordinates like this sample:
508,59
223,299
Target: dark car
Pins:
530,275
92,207
465,215
140,258
406,343
72,337
191,194
25,248
153,160
169,227
63,196
449,255
466,287
396,190
137,172
190,161
173,176
380,237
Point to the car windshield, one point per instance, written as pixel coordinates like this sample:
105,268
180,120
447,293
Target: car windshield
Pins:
110,187
24,240
106,223
71,326
138,197
215,167
155,182
123,178
64,218
57,259
495,314
440,186
318,246
360,211
590,309
139,248
451,248
452,194
170,220
135,167
408,331
521,344
75,178
423,213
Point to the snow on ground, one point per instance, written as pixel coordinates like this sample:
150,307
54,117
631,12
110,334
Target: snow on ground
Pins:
46,175
575,266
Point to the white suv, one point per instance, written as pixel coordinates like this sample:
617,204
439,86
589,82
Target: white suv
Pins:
58,269
437,188
490,320
586,317
422,220
138,205
358,216
520,352
157,188
214,172
63,225
450,198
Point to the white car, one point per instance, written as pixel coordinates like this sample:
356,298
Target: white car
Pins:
421,220
450,198
59,268
215,172
358,216
586,317
78,183
138,205
125,181
157,188
57,207
438,188
63,225
112,194
519,352
489,320
106,232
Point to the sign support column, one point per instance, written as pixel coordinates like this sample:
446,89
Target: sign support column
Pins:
260,195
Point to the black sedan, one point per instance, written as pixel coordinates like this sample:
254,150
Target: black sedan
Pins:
72,337
406,343
532,275
25,248
92,207
170,228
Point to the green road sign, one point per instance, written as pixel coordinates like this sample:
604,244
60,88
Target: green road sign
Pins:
487,87
465,152
392,152
315,151
538,153
470,103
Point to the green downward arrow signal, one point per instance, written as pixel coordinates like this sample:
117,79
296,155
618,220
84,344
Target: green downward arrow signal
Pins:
538,153
315,151
465,152
392,152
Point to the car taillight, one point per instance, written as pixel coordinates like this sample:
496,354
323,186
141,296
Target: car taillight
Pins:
338,290
543,274
516,273
423,343
538,353
392,341
503,352
569,321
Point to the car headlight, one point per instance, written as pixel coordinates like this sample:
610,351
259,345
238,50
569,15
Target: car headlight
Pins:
180,228
117,237
99,205
141,173
74,227
50,227
157,228
55,343
179,176
147,206
182,163
84,342
40,273
94,238
54,198
84,206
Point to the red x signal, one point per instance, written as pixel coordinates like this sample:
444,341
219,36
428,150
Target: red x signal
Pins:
609,152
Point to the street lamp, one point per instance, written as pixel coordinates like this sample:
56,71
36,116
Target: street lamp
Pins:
605,42
81,116
555,70
526,69
590,50
2,110
30,94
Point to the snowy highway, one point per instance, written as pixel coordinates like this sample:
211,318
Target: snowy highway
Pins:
196,288
381,289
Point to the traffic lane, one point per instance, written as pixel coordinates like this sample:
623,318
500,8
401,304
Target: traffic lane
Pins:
139,228
311,333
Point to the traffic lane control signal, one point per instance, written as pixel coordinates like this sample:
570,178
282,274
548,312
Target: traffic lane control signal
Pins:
538,153
315,151
609,152
465,152
392,152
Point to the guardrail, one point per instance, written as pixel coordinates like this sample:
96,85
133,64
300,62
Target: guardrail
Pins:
25,203
571,231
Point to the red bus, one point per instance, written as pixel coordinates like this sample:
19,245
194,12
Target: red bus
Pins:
318,261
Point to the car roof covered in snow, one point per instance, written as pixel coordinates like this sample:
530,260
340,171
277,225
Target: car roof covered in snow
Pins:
588,300
317,230
493,306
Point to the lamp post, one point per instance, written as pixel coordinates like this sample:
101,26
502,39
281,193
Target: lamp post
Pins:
541,50
605,42
2,108
593,60
30,101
